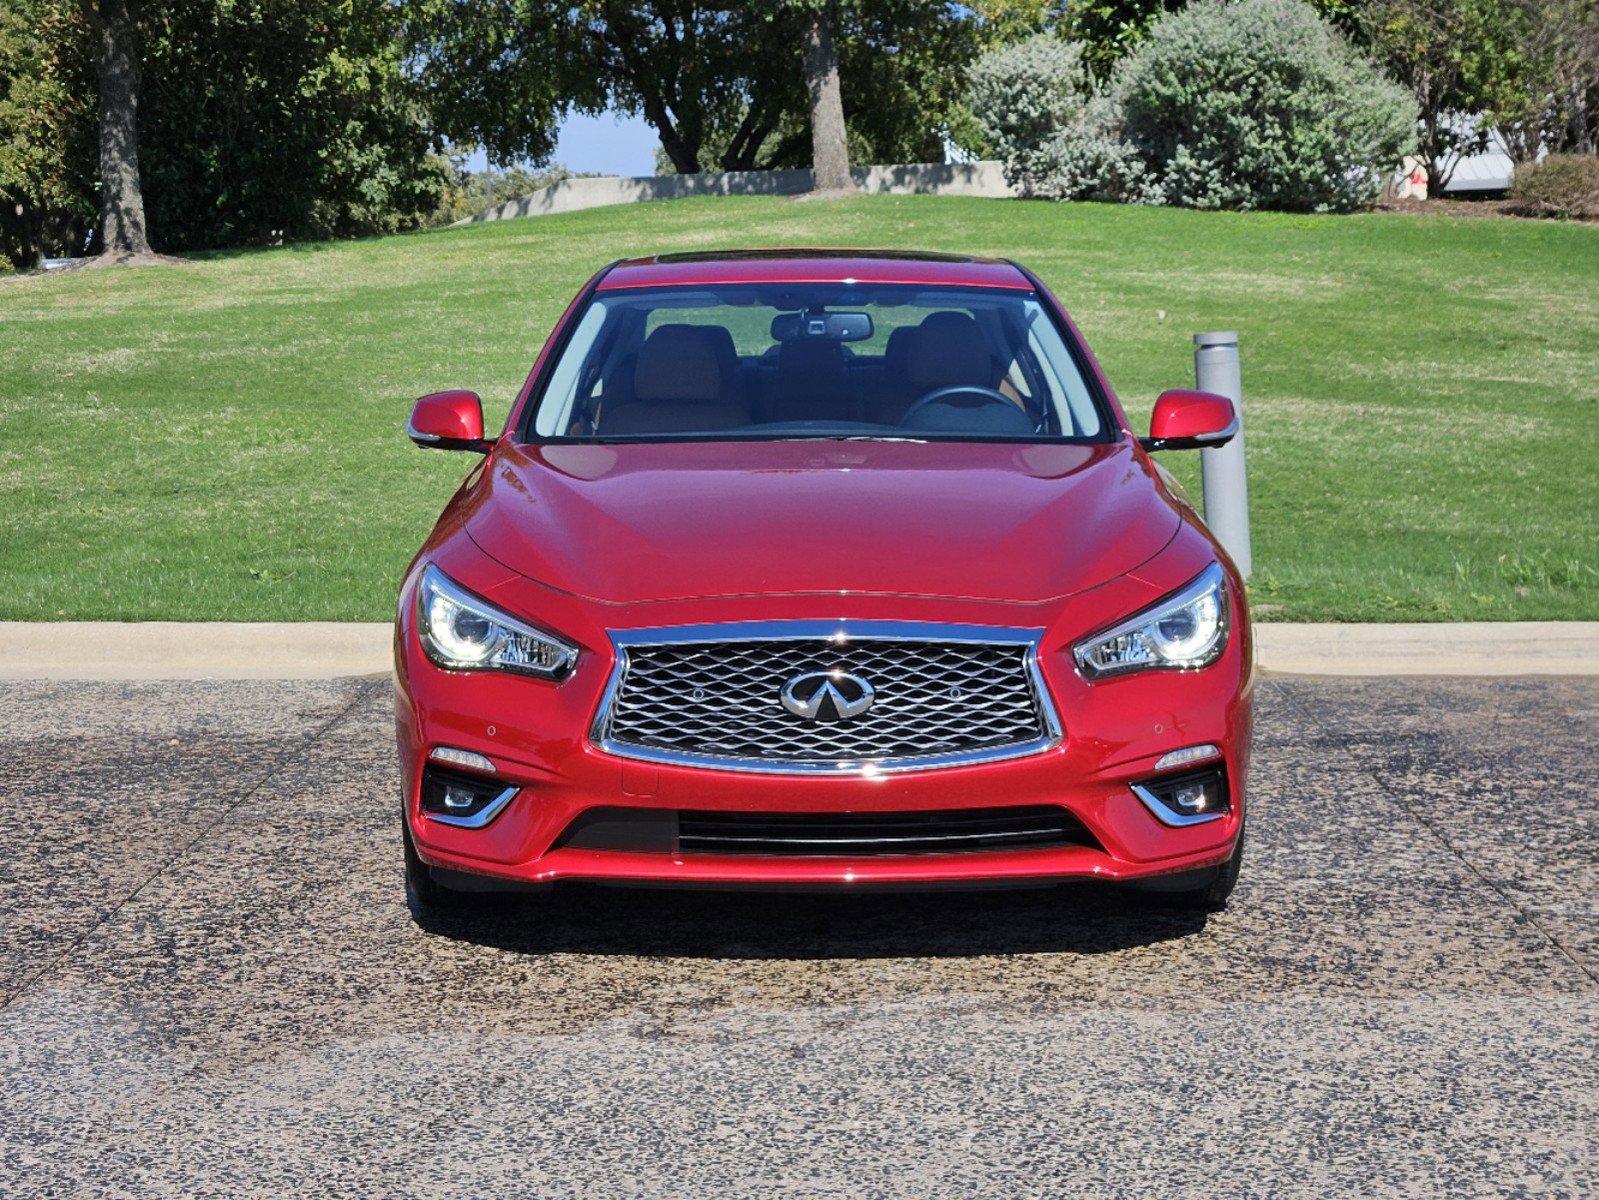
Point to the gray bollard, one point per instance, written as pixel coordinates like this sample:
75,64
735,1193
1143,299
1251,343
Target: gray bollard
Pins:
1222,469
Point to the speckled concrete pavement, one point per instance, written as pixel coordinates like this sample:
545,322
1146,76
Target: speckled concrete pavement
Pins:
211,986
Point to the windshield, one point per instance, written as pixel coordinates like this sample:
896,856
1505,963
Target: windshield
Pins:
816,360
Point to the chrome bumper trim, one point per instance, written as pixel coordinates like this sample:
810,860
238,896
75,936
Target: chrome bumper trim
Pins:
479,819
1165,815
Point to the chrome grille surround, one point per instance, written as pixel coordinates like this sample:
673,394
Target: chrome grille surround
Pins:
707,696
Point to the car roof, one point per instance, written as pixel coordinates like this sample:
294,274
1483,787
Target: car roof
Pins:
816,266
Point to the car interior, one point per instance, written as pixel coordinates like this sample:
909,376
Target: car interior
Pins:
792,365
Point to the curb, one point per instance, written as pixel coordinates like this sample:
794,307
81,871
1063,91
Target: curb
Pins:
1474,648
110,650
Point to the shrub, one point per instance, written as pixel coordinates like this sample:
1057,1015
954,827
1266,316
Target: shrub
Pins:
472,192
1034,104
1261,104
1562,185
1091,160
1022,96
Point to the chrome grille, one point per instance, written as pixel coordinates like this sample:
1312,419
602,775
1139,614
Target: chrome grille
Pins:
943,695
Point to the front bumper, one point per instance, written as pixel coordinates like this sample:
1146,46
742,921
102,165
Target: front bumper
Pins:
537,736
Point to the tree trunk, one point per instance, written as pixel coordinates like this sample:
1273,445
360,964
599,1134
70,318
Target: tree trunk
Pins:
1435,148
684,154
751,134
22,223
685,161
829,147
122,232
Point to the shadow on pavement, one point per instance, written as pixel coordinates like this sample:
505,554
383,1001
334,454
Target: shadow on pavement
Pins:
575,919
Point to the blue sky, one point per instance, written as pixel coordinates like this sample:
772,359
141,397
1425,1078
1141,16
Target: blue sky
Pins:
609,144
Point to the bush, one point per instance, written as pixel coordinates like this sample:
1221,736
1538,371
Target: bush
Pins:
1562,185
285,121
1022,96
1091,160
472,192
1261,104
1034,105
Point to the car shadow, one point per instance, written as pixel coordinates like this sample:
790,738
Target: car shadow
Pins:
574,919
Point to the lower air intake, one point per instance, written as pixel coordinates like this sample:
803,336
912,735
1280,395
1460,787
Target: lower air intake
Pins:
866,834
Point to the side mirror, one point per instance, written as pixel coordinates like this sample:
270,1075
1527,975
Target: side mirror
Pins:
1188,420
449,421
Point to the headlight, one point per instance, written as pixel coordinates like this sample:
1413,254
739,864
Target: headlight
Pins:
1187,629
466,633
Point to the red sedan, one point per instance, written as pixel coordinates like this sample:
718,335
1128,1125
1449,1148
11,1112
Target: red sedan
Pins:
821,569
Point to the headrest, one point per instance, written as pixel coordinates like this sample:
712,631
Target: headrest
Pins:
946,349
811,354
898,348
683,362
809,367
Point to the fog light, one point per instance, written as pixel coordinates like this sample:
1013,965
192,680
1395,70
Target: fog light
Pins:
1189,799
467,801
458,799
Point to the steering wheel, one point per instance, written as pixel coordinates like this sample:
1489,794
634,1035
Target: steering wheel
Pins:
987,395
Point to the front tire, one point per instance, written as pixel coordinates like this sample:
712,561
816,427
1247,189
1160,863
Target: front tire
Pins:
1204,891
1212,896
424,895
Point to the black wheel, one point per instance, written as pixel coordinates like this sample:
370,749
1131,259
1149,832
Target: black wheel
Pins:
1212,896
1203,891
424,895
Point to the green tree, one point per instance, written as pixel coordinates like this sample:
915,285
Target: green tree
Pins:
688,69
1559,103
903,67
1001,22
1108,29
721,86
504,73
47,131
255,122
500,74
1466,63
284,119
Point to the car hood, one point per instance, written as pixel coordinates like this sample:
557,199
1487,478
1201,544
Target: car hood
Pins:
625,523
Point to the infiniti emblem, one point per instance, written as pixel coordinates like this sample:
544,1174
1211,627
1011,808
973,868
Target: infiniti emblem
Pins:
827,696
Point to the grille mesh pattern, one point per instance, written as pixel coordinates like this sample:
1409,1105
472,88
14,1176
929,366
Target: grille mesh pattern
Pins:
721,700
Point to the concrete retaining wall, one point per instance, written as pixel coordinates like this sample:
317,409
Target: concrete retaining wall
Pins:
570,195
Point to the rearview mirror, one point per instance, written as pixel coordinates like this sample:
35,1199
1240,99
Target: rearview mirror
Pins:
449,421
824,326
1188,420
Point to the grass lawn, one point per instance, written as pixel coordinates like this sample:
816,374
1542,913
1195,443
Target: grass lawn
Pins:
222,439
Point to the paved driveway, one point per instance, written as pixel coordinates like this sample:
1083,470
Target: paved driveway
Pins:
211,985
